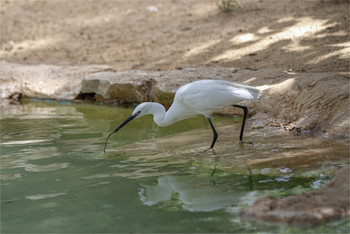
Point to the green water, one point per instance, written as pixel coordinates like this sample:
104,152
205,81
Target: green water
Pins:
56,179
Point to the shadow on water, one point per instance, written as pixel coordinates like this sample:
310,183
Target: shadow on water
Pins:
55,177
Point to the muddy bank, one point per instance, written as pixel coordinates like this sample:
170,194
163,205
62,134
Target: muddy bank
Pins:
304,103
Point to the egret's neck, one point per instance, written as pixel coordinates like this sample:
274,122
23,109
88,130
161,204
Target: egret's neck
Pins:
165,118
158,112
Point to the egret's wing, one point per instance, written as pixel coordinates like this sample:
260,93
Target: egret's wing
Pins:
245,91
206,96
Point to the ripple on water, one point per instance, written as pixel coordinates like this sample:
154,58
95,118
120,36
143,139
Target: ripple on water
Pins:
52,163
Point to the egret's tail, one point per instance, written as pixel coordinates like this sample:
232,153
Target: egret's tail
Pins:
248,91
255,92
261,90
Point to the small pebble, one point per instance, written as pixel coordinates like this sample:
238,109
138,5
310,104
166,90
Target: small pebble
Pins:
9,45
152,9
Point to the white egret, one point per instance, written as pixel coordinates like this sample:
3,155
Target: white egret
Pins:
201,97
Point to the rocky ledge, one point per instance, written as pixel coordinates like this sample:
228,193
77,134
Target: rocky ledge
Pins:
309,103
308,209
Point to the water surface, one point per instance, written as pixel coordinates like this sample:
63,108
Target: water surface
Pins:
55,177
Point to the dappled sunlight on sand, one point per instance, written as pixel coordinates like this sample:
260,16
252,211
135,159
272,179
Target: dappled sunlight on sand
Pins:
303,27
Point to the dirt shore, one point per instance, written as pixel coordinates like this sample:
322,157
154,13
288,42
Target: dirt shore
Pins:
300,36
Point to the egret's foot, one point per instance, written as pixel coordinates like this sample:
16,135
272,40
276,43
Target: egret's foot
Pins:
241,144
250,142
212,149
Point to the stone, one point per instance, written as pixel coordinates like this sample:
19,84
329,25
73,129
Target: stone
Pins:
44,81
9,45
126,87
308,209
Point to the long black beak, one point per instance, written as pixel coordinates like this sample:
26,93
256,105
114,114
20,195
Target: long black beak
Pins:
120,126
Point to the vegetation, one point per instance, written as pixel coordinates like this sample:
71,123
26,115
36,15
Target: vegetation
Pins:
227,6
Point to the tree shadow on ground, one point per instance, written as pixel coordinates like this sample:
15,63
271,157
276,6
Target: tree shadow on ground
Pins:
291,35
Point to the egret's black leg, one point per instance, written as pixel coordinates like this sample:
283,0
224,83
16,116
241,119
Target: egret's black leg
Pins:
215,133
245,109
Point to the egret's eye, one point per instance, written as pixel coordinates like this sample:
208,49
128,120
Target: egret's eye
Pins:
138,112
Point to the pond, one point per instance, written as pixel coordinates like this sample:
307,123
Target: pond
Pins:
55,177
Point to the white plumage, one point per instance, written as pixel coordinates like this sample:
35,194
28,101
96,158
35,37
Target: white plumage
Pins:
197,98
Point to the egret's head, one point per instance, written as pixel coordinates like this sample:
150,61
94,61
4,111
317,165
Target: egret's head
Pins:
141,110
146,108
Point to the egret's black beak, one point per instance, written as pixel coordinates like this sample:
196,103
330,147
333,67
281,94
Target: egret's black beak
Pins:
120,126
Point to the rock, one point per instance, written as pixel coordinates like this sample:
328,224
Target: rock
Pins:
9,45
312,102
152,9
126,87
308,209
44,81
